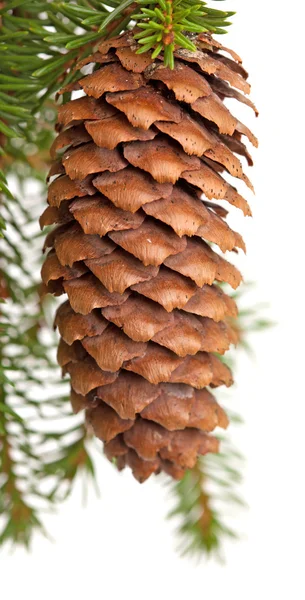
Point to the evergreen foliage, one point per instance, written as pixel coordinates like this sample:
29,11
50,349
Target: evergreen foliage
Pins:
40,43
42,446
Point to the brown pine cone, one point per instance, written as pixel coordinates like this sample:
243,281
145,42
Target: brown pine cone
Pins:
144,320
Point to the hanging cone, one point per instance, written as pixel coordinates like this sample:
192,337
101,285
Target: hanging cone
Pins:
140,203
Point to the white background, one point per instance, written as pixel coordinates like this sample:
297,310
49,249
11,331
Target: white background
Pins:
120,545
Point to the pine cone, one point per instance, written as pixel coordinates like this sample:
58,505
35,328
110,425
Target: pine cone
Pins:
144,321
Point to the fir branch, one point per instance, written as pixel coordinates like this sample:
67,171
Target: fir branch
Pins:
35,475
207,494
41,42
166,24
204,498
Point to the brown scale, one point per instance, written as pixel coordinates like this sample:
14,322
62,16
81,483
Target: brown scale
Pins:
140,164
